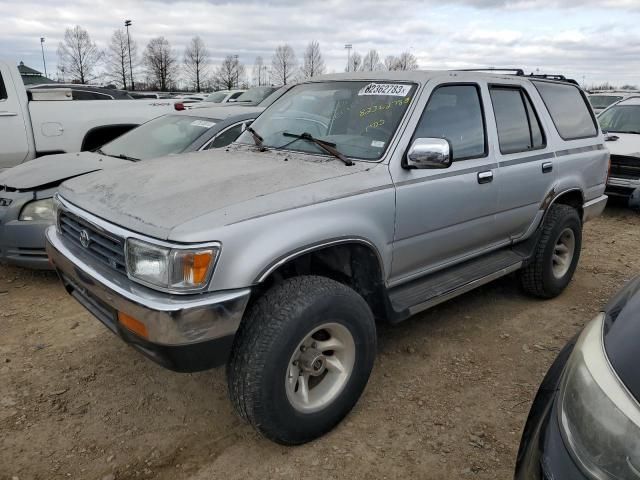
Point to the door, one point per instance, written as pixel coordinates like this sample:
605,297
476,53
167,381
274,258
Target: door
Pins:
446,215
14,145
526,166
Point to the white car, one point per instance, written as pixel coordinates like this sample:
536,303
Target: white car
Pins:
604,99
223,96
46,121
621,124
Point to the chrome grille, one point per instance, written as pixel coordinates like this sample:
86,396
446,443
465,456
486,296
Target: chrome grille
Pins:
106,248
625,167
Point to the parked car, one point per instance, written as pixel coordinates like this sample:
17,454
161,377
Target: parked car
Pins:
222,96
47,121
621,122
585,420
254,97
376,196
601,100
138,95
26,191
84,92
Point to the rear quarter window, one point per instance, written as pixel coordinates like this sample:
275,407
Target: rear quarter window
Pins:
568,109
3,90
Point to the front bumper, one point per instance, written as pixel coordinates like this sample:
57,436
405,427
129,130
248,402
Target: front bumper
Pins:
594,208
184,333
622,187
21,243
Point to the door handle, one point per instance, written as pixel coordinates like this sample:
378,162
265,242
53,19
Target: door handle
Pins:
485,177
8,114
547,167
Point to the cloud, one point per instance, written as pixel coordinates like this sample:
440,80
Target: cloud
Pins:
597,39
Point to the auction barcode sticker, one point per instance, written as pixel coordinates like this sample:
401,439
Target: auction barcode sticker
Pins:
387,89
202,123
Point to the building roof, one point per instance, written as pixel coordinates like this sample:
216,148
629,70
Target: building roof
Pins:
31,76
24,70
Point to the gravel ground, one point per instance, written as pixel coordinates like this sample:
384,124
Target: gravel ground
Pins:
447,399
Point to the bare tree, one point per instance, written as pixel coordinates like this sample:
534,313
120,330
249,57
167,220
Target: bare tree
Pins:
406,61
283,65
355,62
117,57
259,72
161,63
313,63
196,62
371,62
78,55
390,62
228,74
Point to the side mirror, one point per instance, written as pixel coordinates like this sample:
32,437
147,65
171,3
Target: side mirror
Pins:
428,153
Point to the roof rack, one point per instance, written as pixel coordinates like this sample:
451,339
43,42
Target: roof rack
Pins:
520,73
514,71
557,77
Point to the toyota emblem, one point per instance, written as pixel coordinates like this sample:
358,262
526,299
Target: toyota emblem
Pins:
84,238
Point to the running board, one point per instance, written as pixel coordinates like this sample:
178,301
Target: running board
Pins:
418,295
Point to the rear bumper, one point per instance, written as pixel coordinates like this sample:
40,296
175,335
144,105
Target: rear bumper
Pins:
594,208
184,333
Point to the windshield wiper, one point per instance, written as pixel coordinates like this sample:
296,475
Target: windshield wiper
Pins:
258,140
124,157
328,147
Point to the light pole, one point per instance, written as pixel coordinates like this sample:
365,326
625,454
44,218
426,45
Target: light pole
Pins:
43,60
348,46
127,23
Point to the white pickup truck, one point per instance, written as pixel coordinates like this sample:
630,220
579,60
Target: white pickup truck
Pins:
44,121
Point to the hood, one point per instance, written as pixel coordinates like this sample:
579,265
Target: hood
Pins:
238,183
49,171
627,144
621,334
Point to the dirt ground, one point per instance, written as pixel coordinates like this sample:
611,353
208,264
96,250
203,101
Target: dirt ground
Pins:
447,399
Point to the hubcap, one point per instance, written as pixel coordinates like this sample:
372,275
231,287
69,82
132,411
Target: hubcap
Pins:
320,367
563,253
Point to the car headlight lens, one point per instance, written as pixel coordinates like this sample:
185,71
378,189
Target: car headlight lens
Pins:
38,210
599,418
170,268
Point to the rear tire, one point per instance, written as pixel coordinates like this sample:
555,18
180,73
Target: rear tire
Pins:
556,255
301,358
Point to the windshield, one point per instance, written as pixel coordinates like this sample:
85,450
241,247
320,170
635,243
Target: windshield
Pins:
255,95
359,118
621,119
603,101
159,137
216,97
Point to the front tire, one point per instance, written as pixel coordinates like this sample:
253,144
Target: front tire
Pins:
556,255
301,358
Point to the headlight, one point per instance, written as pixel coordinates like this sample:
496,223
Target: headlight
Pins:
599,418
38,210
170,268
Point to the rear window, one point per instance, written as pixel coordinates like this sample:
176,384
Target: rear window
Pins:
603,101
3,90
568,110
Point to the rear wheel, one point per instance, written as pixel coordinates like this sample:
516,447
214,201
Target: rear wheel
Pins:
556,255
302,358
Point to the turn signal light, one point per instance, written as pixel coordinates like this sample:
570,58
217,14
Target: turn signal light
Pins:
132,324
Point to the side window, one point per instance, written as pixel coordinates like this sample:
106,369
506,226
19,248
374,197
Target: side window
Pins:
227,137
235,95
568,109
454,112
85,95
3,90
519,129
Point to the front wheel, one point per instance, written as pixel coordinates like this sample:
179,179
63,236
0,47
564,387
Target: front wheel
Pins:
302,358
556,255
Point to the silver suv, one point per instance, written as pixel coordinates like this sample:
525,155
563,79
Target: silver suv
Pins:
353,198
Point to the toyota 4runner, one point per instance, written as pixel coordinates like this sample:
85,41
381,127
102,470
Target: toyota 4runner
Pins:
353,198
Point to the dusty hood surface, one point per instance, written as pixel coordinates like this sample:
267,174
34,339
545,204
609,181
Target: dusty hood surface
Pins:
627,144
48,171
154,197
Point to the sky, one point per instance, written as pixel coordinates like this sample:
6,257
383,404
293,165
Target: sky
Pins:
592,41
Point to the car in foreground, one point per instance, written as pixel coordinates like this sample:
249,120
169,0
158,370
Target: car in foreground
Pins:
602,100
621,124
584,423
26,191
353,197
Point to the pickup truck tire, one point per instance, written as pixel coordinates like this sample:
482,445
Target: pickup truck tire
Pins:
310,338
556,255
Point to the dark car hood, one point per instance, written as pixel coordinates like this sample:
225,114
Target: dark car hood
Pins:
622,335
232,184
49,171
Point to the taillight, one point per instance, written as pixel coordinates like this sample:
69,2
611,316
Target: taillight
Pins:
178,106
